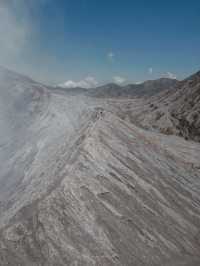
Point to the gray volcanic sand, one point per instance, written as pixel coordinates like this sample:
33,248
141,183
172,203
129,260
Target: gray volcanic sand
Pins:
81,183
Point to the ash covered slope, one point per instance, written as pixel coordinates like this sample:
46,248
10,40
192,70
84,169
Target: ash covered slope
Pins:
21,101
175,111
99,190
122,197
34,124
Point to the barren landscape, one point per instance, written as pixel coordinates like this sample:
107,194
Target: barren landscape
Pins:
106,176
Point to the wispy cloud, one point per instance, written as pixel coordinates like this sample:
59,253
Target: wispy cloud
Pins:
88,83
150,70
13,35
119,80
111,56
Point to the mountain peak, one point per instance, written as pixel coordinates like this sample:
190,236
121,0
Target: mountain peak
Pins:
193,78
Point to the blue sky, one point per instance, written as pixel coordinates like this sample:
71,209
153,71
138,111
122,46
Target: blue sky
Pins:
57,41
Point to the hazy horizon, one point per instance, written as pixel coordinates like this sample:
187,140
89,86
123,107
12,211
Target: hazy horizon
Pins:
95,43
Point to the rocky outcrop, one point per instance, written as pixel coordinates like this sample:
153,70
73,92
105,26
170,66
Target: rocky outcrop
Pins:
173,112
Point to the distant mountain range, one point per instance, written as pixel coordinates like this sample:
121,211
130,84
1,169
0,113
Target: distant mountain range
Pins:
147,88
174,109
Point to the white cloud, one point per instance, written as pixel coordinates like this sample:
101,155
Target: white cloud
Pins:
88,83
111,56
119,80
170,75
150,70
